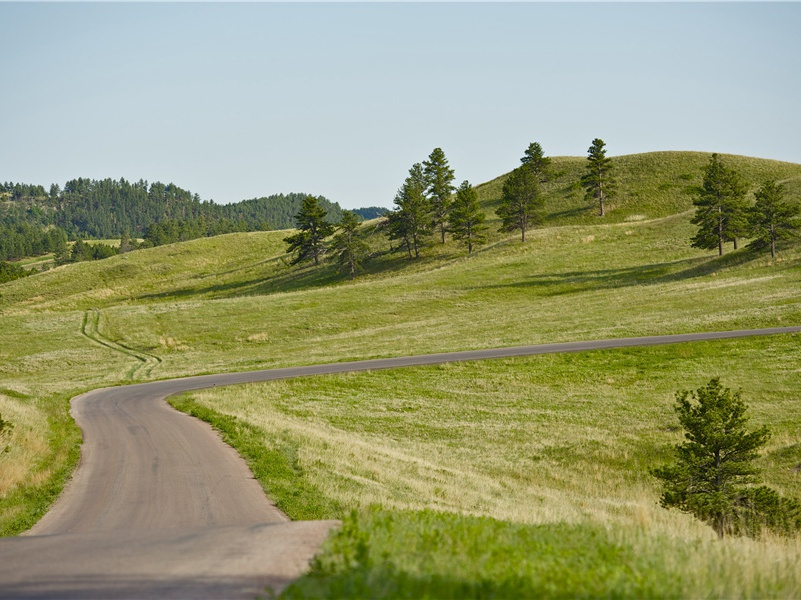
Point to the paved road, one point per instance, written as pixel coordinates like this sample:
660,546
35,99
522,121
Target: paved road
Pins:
160,508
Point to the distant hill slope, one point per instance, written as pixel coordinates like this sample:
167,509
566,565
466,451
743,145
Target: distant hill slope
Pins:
651,185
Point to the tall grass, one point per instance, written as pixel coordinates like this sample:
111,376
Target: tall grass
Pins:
486,472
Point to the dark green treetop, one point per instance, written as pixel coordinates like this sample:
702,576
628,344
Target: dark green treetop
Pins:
411,221
348,248
521,203
439,178
772,218
313,229
535,158
467,218
598,182
715,465
721,212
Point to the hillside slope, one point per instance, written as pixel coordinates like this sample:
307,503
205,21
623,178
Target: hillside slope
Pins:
650,186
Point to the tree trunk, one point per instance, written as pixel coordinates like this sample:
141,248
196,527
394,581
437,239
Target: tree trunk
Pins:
772,241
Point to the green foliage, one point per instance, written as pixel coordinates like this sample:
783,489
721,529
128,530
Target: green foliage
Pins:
107,208
716,463
772,218
313,229
81,251
347,247
521,203
411,221
598,181
439,179
536,160
10,272
721,212
20,240
467,218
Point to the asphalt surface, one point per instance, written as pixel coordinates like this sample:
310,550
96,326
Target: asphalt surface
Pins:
159,507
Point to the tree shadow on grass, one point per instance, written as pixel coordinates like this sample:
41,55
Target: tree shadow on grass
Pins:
571,282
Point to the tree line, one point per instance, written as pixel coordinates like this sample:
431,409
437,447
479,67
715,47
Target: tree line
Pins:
105,209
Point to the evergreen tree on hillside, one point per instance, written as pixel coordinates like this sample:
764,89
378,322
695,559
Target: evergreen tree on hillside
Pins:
536,160
347,247
772,218
712,476
521,202
411,221
598,181
439,178
721,211
467,218
313,229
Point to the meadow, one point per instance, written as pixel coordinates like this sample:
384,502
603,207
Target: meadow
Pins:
551,450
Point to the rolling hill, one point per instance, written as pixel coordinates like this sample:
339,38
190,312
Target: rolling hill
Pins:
504,447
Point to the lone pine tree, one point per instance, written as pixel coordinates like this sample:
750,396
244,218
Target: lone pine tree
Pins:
439,179
411,221
313,229
467,218
772,218
714,472
598,182
521,202
534,157
347,247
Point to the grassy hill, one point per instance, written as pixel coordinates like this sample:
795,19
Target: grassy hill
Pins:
552,448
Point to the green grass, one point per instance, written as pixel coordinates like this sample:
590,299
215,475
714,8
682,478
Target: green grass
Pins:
383,554
556,445
548,446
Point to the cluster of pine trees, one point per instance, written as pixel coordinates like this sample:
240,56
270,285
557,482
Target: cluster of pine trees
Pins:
426,204
723,213
22,240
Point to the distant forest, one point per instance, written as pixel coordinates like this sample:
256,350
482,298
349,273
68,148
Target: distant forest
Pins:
34,220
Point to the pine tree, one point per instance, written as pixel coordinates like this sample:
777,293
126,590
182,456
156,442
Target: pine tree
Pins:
439,178
715,465
467,218
535,158
772,218
521,203
411,221
721,212
313,229
598,181
348,249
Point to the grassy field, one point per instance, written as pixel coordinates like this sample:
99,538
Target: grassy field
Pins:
551,446
525,446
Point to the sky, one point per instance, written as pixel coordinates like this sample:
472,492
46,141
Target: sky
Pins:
236,101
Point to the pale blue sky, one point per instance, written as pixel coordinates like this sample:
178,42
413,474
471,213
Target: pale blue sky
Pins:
234,101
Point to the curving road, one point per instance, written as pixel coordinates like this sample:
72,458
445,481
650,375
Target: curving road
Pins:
159,507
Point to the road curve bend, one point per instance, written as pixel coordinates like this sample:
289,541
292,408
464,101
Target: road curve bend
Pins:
160,507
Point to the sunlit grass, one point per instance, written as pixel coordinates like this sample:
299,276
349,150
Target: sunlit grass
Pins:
538,442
